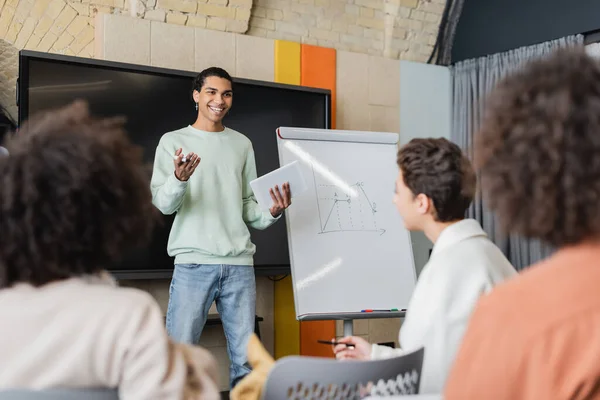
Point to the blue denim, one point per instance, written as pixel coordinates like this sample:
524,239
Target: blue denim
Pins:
233,287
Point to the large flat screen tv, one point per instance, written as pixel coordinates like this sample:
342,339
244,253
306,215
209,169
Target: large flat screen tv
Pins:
156,101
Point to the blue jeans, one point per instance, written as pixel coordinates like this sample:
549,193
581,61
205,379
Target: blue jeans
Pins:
193,289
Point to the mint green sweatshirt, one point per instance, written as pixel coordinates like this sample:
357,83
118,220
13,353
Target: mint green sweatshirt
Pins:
216,205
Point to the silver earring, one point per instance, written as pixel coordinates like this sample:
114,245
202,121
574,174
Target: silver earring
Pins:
196,106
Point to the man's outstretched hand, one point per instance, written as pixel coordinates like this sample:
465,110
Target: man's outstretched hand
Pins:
281,201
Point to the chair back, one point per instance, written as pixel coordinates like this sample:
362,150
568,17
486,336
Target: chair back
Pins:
59,394
316,378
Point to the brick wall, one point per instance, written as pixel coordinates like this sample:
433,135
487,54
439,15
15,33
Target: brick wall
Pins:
404,29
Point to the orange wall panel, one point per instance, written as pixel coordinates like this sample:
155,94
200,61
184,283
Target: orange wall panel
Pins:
318,67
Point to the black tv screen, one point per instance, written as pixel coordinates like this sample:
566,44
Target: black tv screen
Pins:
156,101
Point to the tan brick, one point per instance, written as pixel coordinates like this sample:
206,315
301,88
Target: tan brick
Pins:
198,21
242,14
108,3
323,23
218,2
81,8
417,15
302,8
216,11
55,8
39,6
69,52
63,41
240,3
349,18
399,32
370,23
33,42
157,15
263,23
375,4
65,18
13,31
261,32
341,26
259,11
288,27
274,14
400,44
216,23
289,15
432,40
367,12
77,25
308,40
284,36
318,3
5,18
426,50
373,34
409,3
415,25
26,32
22,11
356,30
403,12
83,39
176,18
188,6
432,8
43,26
306,1
237,26
47,42
352,9
323,34
88,51
429,17
96,9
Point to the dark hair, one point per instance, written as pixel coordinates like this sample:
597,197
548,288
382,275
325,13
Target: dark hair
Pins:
74,196
200,79
438,169
539,149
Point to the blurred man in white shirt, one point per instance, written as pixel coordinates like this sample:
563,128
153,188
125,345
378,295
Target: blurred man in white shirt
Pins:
435,186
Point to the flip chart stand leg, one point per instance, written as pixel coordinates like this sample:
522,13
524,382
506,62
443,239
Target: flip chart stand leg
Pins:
347,327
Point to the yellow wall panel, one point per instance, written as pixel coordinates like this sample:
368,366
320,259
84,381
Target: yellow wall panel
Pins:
287,62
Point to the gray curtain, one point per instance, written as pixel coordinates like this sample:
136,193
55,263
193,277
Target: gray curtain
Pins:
473,80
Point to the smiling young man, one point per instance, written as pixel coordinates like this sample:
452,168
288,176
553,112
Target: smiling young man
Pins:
434,188
202,172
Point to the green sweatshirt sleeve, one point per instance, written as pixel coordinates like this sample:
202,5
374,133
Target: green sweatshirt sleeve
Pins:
167,190
253,215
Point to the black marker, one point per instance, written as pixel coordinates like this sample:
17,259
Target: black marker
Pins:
335,343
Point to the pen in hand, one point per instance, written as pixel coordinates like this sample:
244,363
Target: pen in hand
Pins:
333,343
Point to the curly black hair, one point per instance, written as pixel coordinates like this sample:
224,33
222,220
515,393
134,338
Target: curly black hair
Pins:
74,197
200,79
438,169
539,149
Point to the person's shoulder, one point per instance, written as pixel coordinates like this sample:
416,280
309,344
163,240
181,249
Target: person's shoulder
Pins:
171,136
123,300
238,136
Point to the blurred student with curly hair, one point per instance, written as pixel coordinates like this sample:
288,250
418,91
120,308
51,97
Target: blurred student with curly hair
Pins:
536,337
74,197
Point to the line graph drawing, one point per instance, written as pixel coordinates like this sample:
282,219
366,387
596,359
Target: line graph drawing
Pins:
340,212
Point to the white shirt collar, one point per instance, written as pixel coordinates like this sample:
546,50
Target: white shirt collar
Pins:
457,232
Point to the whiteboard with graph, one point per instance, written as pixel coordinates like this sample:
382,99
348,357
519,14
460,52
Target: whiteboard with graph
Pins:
349,250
